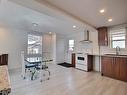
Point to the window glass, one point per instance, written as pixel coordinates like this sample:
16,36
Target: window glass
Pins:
118,38
34,44
121,44
71,45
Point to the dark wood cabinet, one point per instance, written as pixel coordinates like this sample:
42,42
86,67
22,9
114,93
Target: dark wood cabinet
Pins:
123,68
0,60
106,66
102,36
90,62
73,57
4,59
114,67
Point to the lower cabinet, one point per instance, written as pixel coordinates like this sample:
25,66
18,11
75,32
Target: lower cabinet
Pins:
73,57
4,59
123,68
106,66
114,67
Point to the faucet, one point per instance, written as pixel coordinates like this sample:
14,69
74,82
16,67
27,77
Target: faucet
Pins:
117,50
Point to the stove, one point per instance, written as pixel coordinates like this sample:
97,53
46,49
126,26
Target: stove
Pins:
82,61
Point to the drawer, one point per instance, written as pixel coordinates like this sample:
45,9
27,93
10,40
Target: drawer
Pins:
82,67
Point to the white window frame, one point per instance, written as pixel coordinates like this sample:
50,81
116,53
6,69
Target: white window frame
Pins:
113,30
70,46
35,44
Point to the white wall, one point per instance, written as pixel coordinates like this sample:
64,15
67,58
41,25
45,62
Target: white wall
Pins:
47,46
60,49
91,48
12,42
54,48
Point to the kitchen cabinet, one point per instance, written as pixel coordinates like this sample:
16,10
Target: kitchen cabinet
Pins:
106,66
123,68
102,36
0,60
114,67
4,59
73,57
90,62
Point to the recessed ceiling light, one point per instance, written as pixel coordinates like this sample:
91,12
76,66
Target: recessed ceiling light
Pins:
35,24
74,26
102,11
50,32
110,20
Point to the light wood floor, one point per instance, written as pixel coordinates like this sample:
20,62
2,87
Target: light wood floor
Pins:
68,81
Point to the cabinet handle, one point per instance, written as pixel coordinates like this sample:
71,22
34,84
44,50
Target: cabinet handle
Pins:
114,61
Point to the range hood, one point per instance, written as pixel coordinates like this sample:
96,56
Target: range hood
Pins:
86,37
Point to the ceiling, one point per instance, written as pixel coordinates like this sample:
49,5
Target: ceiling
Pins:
88,10
59,16
15,16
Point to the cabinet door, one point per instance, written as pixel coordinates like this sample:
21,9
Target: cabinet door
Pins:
73,59
0,60
4,59
90,62
115,68
106,65
123,68
103,36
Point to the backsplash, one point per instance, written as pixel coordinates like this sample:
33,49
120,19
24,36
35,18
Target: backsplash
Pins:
84,48
108,50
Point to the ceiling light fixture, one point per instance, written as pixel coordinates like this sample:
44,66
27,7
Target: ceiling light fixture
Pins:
74,26
110,20
102,11
35,24
50,32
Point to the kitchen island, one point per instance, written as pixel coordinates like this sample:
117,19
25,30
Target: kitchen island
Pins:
5,87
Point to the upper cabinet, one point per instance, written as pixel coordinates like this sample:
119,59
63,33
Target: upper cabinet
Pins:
102,36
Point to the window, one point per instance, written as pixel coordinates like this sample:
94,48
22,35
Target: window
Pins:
34,44
71,45
118,37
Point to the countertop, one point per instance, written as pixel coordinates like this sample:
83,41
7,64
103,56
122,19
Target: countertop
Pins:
4,80
114,55
109,55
